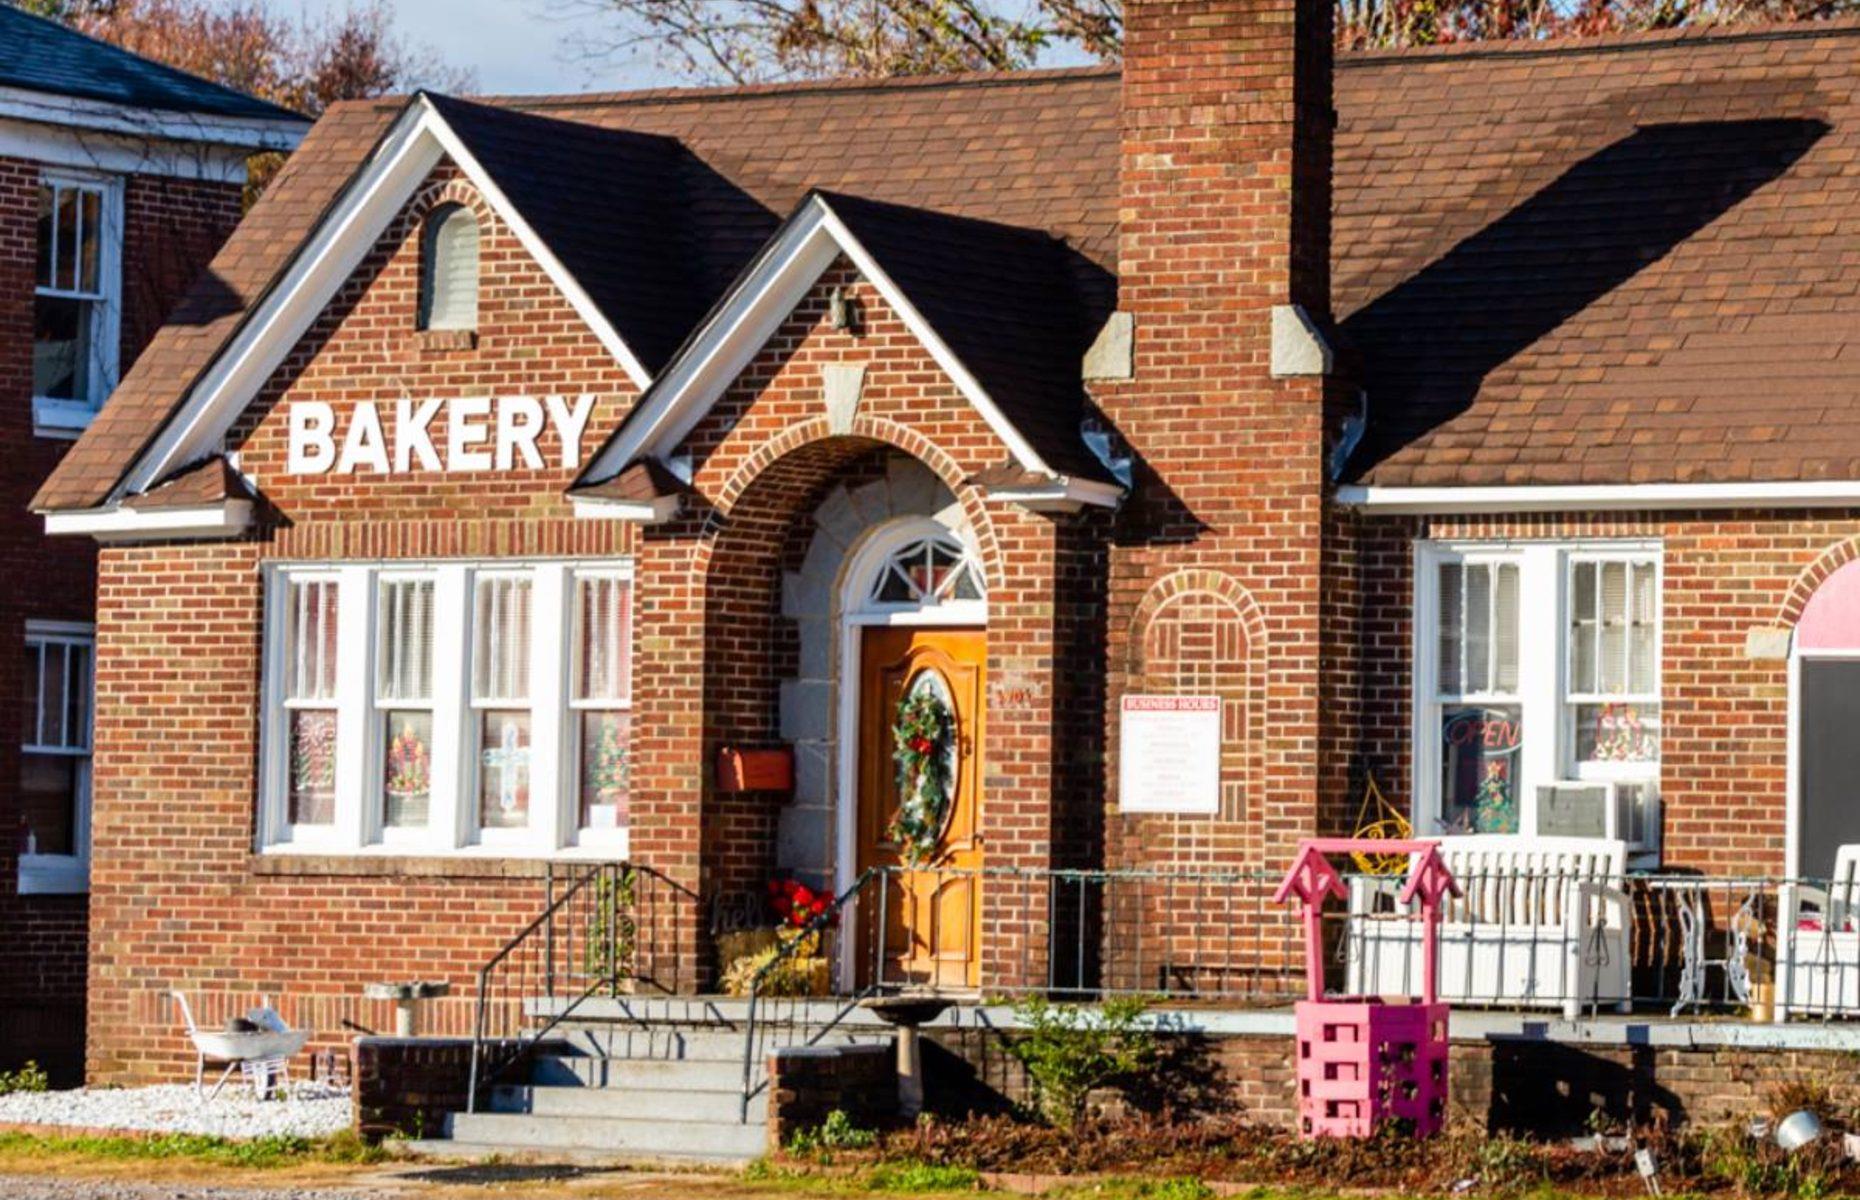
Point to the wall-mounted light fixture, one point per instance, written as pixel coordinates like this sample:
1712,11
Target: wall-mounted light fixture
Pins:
843,311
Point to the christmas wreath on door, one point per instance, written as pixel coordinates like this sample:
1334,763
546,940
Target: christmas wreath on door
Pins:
924,741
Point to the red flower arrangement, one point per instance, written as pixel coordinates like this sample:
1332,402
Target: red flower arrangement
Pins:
794,903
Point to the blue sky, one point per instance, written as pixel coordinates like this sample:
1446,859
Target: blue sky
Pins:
511,44
517,46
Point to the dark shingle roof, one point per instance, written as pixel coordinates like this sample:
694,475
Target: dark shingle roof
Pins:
1017,307
44,56
1629,260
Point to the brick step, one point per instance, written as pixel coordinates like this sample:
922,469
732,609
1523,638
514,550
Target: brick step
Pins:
710,1141
661,1104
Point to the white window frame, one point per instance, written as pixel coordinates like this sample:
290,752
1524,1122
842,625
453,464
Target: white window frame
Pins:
64,874
65,419
588,835
452,827
376,826
1547,753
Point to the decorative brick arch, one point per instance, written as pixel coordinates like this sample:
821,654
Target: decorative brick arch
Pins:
456,190
1809,580
795,438
1199,631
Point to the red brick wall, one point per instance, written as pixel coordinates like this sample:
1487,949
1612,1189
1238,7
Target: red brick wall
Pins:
179,899
1215,574
172,227
1724,754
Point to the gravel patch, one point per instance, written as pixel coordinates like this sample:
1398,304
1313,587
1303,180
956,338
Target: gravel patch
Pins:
175,1108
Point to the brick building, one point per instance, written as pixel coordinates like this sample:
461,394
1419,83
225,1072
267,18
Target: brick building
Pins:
1466,419
119,180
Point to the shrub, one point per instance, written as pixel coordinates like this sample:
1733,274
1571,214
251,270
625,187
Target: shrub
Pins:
28,1078
1070,1051
913,1176
837,1132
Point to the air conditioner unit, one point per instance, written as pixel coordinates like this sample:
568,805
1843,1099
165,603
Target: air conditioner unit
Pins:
1580,808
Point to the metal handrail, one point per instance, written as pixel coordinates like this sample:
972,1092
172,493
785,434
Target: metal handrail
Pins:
785,951
616,872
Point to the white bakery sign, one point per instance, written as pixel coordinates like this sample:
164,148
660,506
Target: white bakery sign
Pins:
1169,754
458,433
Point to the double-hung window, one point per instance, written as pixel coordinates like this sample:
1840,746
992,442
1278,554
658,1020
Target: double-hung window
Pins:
76,312
447,707
602,698
54,763
404,701
1537,704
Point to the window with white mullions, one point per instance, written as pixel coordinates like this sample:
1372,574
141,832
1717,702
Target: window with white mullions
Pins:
501,698
404,699
75,299
601,700
54,789
1537,690
310,700
928,571
1612,696
1477,713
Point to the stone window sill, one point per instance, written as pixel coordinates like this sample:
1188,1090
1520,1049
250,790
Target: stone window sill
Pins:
445,341
402,866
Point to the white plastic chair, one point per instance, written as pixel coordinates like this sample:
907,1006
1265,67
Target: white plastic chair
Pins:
262,1055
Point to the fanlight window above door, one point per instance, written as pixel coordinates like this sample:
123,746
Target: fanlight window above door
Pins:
928,571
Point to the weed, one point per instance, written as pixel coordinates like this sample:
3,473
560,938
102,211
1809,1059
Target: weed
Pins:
28,1078
263,1152
1069,1051
911,1175
837,1132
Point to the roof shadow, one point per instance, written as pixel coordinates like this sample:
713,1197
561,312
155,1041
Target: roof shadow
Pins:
1428,343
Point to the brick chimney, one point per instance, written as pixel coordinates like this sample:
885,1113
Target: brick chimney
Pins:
1224,276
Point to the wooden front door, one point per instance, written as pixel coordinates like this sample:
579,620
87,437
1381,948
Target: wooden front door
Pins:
932,909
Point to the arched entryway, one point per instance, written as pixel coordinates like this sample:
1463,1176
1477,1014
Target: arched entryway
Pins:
840,572
1824,713
913,688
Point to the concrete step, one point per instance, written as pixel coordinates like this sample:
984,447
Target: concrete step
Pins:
482,1151
657,1104
715,1141
694,1043
640,1074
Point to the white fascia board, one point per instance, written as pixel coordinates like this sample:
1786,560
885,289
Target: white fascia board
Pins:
643,512
64,146
402,162
1625,497
743,324
249,133
1064,494
130,524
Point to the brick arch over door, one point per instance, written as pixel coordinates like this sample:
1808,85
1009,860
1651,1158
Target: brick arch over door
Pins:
740,556
1199,632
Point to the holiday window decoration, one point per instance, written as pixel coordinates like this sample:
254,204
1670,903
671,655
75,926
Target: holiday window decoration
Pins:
924,736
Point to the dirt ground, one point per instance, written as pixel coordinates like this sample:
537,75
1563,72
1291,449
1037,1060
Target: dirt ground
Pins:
61,1178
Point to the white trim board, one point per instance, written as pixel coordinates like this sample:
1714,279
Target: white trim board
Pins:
415,144
61,146
741,325
128,524
1625,497
152,124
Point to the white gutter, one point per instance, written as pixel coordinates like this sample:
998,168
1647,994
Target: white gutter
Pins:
1626,497
645,512
253,133
129,524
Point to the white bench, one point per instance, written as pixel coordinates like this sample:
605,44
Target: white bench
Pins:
1543,922
1818,943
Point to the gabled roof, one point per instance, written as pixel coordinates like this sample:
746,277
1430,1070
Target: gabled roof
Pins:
40,55
1547,277
1000,309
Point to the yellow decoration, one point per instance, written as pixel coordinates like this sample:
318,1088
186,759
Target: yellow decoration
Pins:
1379,819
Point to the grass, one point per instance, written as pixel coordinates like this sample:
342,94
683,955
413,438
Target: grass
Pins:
893,1177
254,1153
